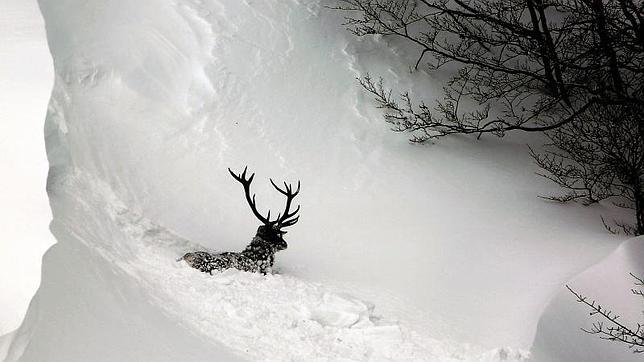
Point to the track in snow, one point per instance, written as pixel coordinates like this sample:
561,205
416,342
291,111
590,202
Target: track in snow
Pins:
150,120
275,317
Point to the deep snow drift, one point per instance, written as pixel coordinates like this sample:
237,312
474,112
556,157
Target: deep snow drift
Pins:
429,253
135,297
26,78
559,337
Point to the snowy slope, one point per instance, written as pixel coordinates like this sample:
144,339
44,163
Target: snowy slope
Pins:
153,100
134,297
26,78
559,336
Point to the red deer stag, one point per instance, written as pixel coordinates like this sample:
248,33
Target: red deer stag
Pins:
260,253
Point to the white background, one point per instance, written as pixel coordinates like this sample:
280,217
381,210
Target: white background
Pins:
26,77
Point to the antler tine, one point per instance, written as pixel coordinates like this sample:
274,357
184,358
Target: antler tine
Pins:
288,188
251,200
289,215
283,220
290,222
242,176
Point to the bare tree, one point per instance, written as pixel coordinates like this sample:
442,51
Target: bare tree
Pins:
529,65
610,327
599,156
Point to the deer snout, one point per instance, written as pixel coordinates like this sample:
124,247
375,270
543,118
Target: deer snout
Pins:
281,245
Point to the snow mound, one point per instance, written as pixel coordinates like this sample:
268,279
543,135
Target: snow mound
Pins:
154,99
254,316
25,87
559,336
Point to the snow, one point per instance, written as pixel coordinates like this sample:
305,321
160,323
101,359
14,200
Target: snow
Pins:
136,278
437,252
26,77
559,336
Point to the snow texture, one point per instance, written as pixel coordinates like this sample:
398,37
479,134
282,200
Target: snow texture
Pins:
403,252
26,78
559,336
257,317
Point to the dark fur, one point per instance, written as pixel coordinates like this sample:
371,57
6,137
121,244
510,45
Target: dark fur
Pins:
258,256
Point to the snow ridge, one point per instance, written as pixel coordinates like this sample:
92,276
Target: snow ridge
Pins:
261,317
147,115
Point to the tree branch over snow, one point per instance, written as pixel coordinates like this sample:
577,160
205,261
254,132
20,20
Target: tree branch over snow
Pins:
609,327
569,68
534,62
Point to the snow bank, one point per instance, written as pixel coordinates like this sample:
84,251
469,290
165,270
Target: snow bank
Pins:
153,100
134,301
559,337
26,77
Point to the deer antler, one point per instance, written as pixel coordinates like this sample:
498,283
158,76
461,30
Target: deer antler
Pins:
251,200
287,218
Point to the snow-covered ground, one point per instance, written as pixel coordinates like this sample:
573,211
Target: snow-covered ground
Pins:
26,79
438,252
559,337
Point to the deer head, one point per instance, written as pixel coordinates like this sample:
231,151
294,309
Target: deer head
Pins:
271,231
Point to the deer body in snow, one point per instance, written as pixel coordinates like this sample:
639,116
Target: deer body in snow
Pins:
259,255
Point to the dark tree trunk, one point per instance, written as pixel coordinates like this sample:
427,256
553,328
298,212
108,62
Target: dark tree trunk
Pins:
638,195
571,69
